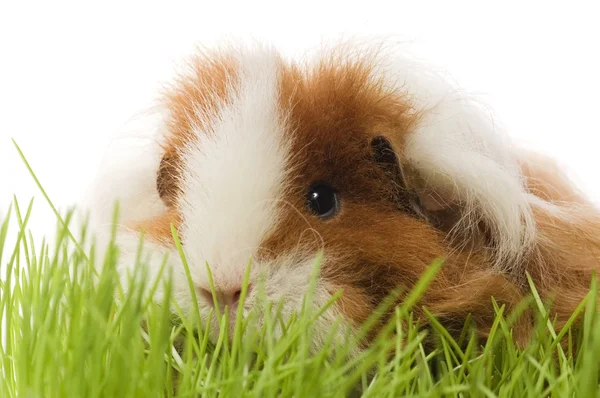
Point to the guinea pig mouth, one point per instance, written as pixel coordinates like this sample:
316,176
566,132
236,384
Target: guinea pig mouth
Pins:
235,321
247,319
273,294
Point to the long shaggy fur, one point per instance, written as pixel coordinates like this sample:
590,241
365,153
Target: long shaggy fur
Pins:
244,134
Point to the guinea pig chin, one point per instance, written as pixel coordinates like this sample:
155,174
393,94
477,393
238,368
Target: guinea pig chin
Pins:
285,280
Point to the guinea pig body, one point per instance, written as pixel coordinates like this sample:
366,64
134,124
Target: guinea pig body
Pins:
365,155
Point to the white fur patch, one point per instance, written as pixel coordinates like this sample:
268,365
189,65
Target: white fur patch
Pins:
127,175
458,150
127,172
234,175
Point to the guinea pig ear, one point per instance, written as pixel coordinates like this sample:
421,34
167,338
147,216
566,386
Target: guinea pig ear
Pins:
383,153
412,193
166,180
470,186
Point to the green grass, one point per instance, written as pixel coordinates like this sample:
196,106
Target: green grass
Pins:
70,331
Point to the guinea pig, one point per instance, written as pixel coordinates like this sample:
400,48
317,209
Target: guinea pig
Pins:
363,153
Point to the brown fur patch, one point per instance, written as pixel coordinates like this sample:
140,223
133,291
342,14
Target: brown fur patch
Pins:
158,229
546,180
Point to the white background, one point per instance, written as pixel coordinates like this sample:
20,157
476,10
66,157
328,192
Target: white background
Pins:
72,73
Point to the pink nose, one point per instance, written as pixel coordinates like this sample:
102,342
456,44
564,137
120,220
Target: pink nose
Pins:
225,297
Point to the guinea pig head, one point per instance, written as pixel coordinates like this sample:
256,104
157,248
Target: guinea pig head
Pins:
274,162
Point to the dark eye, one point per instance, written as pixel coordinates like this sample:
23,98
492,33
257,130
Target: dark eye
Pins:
323,200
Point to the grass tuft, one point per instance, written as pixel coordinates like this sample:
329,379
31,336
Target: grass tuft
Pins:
70,329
